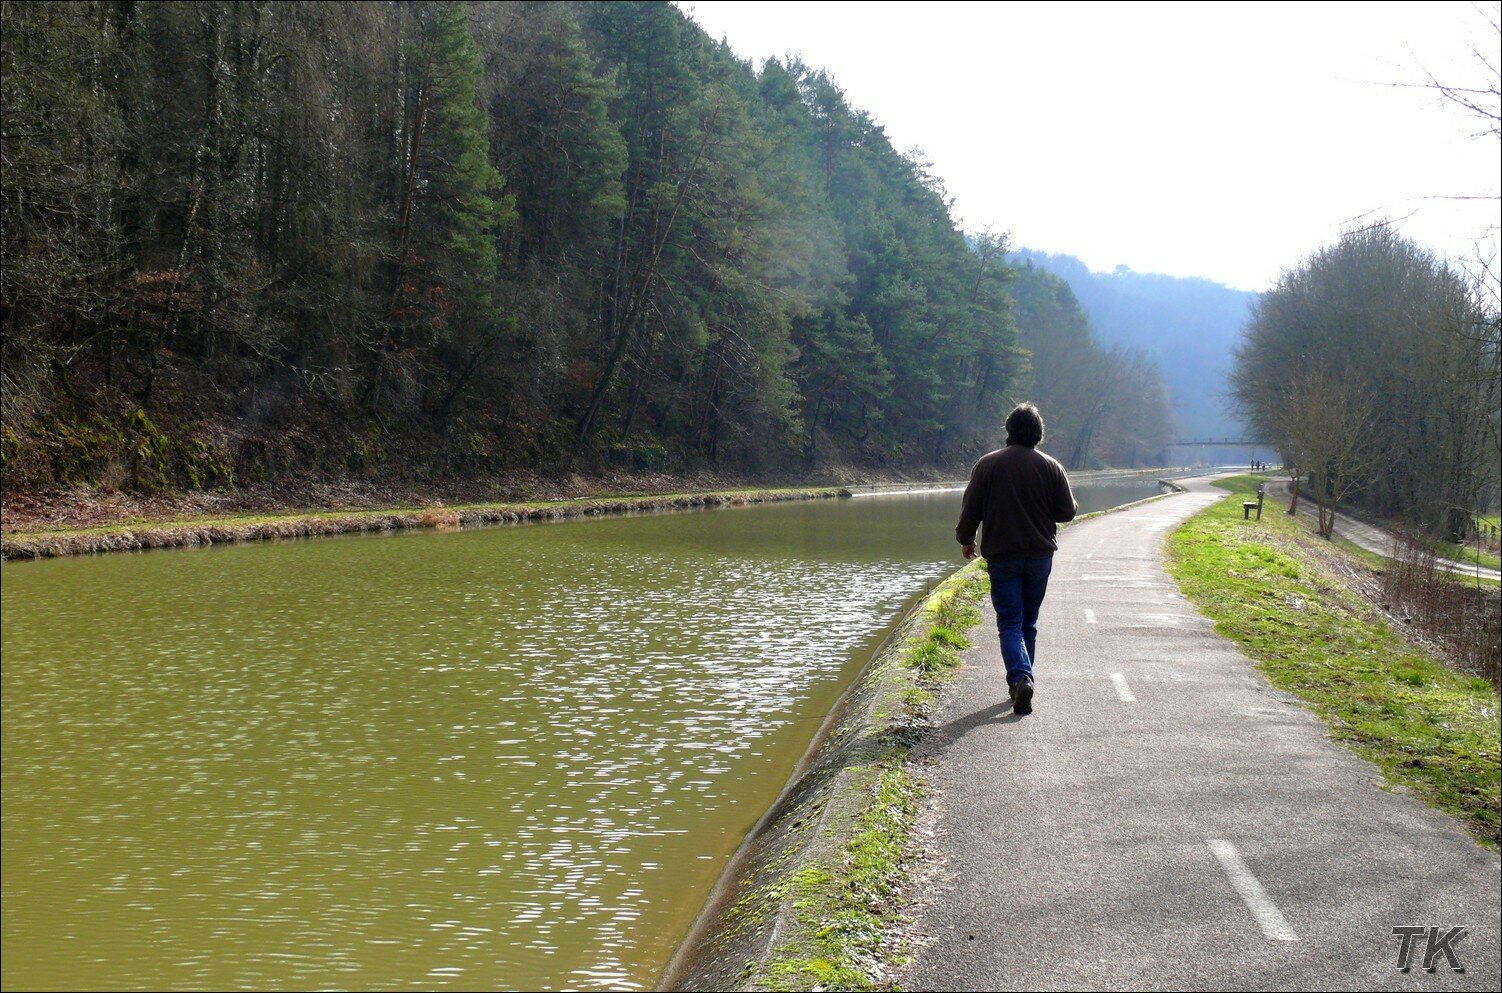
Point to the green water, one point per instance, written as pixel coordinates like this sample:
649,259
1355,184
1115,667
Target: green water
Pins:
513,758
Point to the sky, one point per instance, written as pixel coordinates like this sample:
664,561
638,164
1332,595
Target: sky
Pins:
1223,140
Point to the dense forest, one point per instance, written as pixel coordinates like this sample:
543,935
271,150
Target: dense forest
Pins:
1376,367
1188,327
438,239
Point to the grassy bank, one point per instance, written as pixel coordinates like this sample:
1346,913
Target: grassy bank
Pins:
1270,587
219,529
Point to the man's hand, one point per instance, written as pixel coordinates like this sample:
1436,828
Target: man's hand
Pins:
969,550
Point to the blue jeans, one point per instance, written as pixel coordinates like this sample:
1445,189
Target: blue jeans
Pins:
1017,588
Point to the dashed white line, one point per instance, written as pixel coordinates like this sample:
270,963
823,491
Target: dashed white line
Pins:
1157,620
1122,689
1274,925
1089,616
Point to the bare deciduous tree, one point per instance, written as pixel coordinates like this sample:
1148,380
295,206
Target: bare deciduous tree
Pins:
1326,418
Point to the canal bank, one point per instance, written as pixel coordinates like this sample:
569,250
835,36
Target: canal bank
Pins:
813,897
112,531
808,899
219,530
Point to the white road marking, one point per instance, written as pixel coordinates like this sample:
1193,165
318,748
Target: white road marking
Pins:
1122,689
1165,618
1120,582
1089,555
1101,541
1274,925
1089,616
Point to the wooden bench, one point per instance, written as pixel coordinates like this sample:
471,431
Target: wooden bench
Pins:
1247,506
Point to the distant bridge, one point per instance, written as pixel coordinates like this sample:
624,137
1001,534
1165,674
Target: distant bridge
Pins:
1226,443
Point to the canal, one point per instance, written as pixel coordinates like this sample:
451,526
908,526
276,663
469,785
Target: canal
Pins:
512,758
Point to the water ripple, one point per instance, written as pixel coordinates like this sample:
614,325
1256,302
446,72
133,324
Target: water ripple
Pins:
513,758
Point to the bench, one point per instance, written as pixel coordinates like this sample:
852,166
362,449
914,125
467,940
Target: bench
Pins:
1247,506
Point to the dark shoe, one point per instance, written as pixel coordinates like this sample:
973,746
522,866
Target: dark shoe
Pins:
1022,697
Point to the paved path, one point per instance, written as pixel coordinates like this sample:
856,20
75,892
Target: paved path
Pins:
1167,820
1364,535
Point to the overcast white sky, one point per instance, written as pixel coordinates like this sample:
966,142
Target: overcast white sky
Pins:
1225,140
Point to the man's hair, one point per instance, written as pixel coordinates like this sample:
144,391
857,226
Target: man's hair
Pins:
1024,426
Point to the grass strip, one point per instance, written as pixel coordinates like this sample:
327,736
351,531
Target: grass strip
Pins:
1432,730
225,528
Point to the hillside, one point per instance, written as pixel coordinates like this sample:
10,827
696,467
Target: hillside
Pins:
464,245
1187,326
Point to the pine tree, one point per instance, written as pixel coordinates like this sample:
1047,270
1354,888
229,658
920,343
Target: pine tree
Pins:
451,206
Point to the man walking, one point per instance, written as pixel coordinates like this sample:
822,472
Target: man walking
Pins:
1017,496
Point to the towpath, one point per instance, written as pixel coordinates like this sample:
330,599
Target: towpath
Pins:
1165,819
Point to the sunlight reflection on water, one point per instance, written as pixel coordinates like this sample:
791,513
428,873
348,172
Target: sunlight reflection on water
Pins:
512,758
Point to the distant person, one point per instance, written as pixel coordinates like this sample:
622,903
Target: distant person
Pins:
1017,496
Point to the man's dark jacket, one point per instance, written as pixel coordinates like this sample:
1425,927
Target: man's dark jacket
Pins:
1019,496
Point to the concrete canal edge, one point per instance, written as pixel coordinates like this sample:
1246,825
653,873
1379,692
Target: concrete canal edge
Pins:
802,903
217,531
813,895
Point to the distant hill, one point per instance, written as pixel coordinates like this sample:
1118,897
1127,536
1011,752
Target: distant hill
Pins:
1187,326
